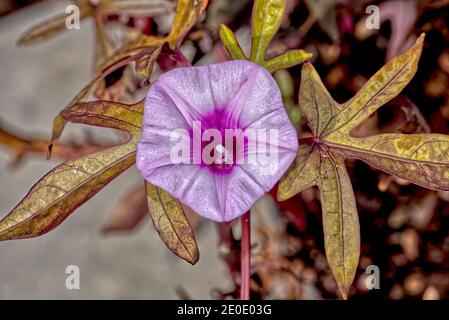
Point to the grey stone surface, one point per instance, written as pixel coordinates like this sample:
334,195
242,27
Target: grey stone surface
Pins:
35,83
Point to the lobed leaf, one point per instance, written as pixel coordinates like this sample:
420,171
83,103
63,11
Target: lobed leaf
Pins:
386,84
318,106
171,223
139,49
303,173
107,114
420,158
144,49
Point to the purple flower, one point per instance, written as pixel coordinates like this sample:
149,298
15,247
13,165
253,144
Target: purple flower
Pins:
216,137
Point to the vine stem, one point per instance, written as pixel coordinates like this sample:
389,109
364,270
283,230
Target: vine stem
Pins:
245,257
181,59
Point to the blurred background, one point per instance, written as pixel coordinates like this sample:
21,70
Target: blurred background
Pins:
404,228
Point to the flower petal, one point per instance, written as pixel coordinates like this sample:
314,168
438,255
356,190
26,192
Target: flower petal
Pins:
251,100
192,185
241,193
257,98
206,88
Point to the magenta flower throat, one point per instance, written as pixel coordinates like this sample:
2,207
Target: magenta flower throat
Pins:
217,137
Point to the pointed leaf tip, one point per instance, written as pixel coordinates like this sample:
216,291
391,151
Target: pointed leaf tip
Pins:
419,158
171,223
231,44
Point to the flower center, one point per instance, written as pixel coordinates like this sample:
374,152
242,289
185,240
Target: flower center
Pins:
222,142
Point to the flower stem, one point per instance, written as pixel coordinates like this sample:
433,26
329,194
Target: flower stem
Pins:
245,257
181,59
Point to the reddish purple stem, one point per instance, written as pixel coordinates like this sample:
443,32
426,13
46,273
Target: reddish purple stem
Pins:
181,59
245,259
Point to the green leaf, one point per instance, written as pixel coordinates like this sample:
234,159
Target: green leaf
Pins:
231,43
420,158
302,174
186,14
72,183
59,121
171,223
340,220
286,60
386,84
266,20
140,48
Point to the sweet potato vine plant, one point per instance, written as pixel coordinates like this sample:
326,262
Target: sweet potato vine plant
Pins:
422,159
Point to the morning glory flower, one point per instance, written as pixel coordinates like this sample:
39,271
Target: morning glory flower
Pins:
216,137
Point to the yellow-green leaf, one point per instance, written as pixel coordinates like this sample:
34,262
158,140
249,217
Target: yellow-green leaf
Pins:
266,20
64,189
420,158
107,114
144,49
186,15
59,122
72,183
171,223
289,59
340,220
302,174
316,103
386,84
231,44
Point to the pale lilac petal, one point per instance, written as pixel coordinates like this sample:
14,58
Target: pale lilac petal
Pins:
257,98
160,110
235,95
153,151
193,185
277,119
207,87
241,193
161,117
